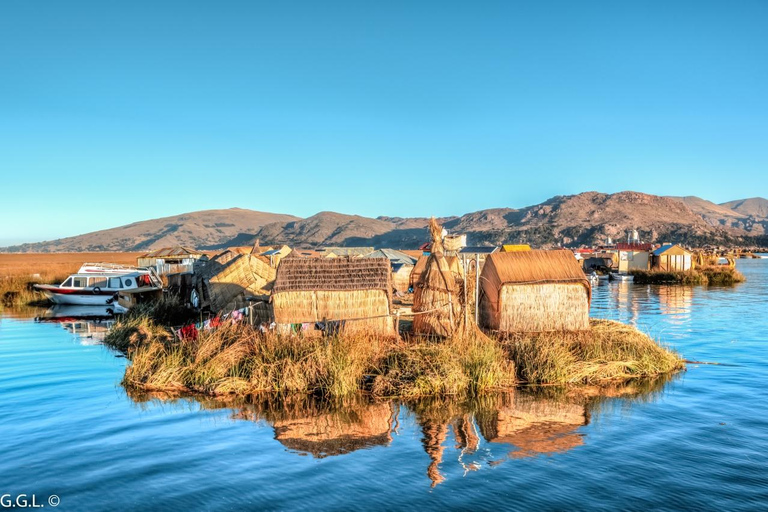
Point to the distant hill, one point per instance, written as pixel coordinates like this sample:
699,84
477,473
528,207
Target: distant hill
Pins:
723,216
756,207
581,219
207,229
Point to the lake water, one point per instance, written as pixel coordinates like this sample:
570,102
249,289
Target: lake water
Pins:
698,441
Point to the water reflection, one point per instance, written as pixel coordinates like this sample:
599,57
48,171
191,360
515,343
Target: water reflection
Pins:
90,323
458,436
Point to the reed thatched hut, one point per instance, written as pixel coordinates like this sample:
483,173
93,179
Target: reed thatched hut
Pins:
230,277
357,291
438,290
534,291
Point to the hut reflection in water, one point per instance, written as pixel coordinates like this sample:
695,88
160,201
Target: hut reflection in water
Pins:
544,423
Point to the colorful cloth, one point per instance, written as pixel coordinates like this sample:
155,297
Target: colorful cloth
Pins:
188,332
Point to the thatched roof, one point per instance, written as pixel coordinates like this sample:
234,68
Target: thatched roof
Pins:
338,252
533,267
334,274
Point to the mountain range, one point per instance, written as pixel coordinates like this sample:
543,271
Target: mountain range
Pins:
582,219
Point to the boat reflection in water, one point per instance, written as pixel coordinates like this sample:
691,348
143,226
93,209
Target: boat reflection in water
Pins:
90,323
486,431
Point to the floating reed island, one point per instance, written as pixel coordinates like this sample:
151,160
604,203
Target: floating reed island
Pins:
712,275
333,331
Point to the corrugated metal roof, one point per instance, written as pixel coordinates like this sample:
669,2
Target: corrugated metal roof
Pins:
478,250
394,257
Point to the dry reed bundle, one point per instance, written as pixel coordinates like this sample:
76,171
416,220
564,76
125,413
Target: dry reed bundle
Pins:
438,295
230,277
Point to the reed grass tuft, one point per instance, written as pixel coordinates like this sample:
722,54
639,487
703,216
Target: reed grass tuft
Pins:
608,351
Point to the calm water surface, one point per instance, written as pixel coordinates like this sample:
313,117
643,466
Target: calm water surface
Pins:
698,441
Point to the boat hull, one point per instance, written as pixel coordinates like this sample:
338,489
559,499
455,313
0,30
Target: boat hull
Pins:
80,299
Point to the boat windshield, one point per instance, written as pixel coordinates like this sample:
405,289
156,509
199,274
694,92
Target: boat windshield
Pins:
68,282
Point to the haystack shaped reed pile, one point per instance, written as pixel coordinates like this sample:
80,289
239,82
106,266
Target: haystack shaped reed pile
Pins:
438,294
534,291
230,277
357,291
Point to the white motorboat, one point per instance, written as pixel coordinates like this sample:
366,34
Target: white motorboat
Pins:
97,284
622,277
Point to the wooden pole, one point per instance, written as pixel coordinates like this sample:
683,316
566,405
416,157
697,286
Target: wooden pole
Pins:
477,287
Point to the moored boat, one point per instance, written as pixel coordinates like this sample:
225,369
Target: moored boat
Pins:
97,284
615,276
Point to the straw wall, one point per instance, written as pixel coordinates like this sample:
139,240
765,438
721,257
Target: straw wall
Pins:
538,308
319,305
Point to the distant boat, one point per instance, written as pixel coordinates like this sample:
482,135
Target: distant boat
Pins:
97,284
622,277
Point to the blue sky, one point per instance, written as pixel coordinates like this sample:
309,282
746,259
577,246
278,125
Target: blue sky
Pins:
114,112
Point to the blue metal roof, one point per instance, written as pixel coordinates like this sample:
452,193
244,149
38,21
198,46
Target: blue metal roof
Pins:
661,250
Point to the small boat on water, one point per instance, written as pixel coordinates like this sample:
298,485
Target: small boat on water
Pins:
97,284
621,277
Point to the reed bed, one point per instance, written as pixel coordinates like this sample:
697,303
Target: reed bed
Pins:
608,351
239,360
713,275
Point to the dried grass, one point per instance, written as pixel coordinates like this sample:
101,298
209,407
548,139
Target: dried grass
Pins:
609,350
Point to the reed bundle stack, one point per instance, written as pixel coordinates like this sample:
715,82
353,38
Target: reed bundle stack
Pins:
357,291
438,290
534,291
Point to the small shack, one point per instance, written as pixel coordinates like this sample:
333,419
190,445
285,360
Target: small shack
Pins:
171,260
401,265
231,280
634,256
356,292
671,258
534,291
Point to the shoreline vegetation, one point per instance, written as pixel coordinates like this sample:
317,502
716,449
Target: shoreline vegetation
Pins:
239,360
19,272
713,275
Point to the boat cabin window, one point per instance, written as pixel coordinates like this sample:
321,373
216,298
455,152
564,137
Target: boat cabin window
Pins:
128,282
67,283
79,282
114,282
100,282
